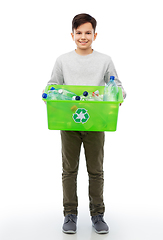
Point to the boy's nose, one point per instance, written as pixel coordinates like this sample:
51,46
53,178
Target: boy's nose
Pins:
83,36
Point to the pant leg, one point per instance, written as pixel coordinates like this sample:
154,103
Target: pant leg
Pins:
71,145
93,143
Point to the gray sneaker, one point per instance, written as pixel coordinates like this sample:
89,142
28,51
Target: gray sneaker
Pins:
99,224
69,225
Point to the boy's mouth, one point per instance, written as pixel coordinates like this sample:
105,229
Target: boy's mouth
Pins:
83,42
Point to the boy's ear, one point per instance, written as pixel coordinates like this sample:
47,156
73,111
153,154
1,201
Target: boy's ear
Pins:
95,35
72,36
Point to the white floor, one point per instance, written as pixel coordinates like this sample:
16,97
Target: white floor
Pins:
46,225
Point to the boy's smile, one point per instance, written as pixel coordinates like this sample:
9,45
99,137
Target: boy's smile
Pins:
83,42
84,36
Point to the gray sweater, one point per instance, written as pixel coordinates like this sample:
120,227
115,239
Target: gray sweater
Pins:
94,69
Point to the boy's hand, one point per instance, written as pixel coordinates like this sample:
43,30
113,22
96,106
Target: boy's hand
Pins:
124,95
123,98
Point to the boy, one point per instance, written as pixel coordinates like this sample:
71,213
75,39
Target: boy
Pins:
84,66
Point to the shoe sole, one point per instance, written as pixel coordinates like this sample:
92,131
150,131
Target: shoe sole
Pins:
100,232
69,231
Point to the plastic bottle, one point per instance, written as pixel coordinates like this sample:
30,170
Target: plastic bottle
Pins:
111,91
90,96
97,95
60,94
44,95
67,95
76,98
52,94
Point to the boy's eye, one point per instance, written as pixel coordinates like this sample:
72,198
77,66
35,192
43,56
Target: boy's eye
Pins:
80,33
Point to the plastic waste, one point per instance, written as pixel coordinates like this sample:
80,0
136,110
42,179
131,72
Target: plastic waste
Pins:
111,91
66,95
76,98
60,94
97,95
52,94
90,96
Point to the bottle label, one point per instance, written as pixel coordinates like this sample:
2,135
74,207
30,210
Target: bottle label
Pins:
81,116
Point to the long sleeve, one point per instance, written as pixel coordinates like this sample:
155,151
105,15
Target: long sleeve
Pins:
93,70
57,74
111,71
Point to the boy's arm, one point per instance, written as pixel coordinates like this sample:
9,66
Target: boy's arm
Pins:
111,71
57,75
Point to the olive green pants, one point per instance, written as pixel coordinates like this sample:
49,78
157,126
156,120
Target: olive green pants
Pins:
93,143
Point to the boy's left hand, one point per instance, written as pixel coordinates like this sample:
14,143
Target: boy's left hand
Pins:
123,98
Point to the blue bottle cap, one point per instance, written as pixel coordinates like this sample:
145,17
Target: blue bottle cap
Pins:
85,93
52,88
112,77
77,98
44,95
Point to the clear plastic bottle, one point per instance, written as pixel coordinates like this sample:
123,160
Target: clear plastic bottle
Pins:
66,94
60,94
111,91
90,96
97,95
52,94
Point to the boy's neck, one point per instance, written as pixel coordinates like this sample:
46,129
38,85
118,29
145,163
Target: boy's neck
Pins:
84,52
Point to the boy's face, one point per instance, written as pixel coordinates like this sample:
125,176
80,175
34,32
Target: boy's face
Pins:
84,36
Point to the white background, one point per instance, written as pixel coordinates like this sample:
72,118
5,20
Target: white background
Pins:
33,34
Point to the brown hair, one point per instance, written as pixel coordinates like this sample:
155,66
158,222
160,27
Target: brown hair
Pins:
81,19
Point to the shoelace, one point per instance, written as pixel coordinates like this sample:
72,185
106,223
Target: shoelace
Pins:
71,218
98,218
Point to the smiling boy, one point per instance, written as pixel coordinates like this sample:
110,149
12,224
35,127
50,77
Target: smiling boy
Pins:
83,66
84,36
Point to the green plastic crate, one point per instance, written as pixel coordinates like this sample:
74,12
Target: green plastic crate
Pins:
82,115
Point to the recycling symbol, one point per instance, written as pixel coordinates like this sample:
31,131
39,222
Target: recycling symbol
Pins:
81,115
